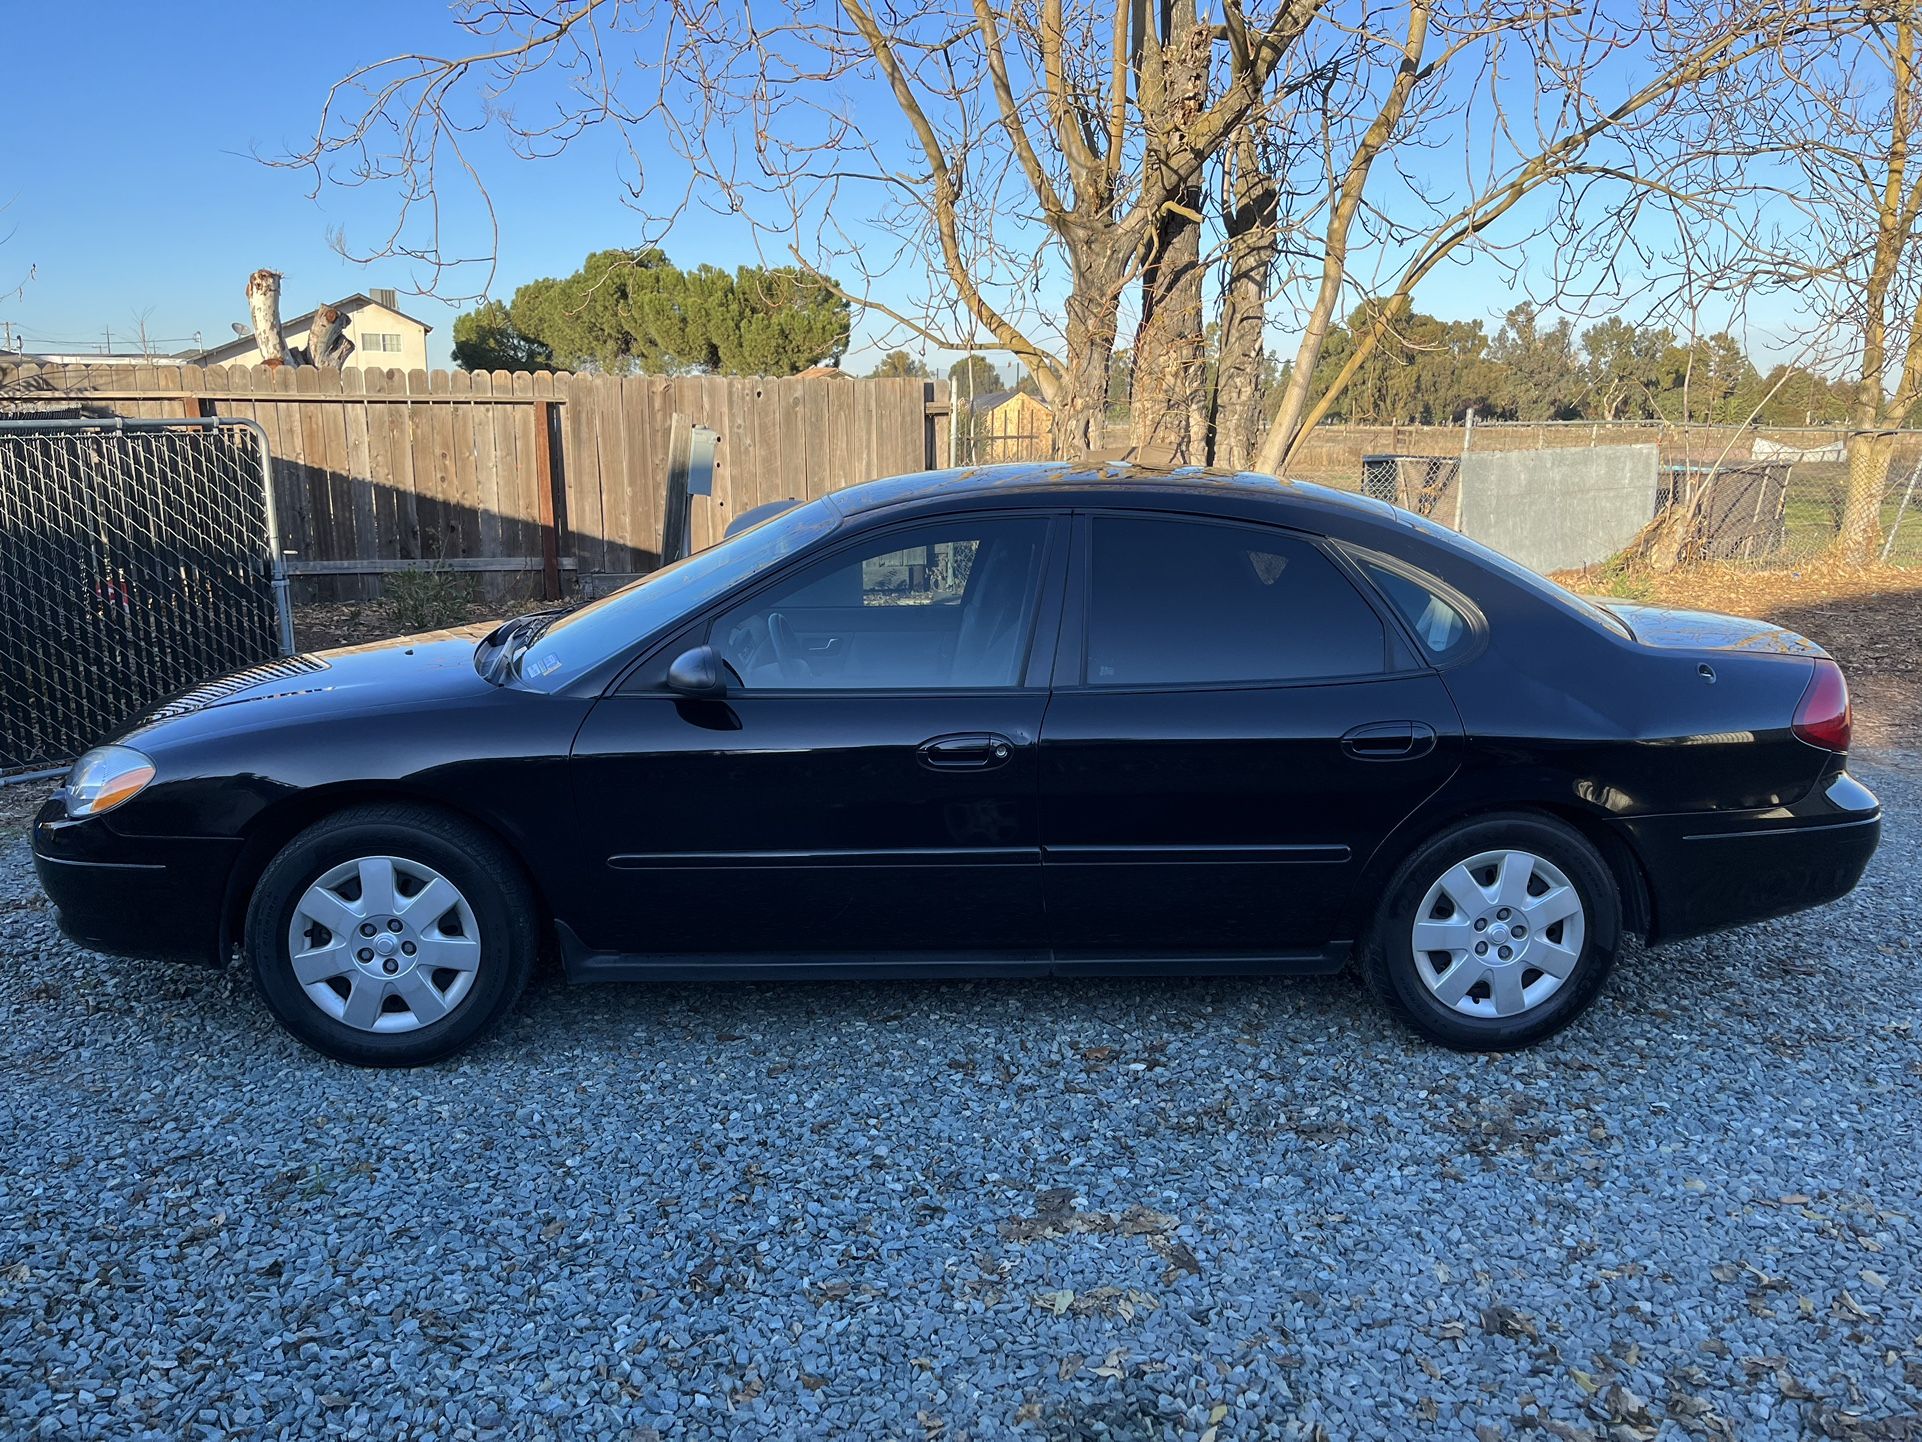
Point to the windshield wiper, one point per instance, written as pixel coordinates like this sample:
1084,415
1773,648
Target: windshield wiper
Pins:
501,648
527,635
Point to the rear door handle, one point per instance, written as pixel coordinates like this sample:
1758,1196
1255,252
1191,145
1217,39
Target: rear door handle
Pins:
1389,741
966,753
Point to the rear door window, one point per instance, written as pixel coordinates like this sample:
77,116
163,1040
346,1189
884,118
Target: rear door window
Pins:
1180,602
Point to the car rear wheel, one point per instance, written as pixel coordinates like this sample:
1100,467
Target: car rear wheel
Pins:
1495,934
391,935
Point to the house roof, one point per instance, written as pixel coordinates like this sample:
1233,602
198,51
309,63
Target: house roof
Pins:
994,400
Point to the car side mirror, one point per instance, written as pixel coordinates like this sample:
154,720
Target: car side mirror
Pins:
697,672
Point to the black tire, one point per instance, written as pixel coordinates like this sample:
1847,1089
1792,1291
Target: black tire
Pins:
488,877
1388,959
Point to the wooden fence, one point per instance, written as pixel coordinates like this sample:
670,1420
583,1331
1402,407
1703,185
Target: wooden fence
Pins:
521,478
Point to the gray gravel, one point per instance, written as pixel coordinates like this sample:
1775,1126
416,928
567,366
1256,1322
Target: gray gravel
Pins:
1125,1209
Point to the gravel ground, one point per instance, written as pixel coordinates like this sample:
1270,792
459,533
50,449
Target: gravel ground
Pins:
1132,1209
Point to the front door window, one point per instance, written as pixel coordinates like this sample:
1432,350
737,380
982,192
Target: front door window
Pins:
943,607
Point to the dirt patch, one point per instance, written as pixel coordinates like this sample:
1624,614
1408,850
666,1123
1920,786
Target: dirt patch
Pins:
320,626
1869,619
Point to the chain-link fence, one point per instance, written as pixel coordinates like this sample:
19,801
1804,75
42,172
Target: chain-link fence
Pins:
1770,497
137,558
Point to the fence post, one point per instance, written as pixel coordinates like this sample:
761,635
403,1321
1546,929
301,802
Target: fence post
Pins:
1888,546
550,499
690,473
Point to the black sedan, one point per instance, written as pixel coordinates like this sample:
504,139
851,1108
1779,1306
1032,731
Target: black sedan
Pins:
1028,719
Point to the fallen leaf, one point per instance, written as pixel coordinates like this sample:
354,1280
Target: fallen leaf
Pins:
1502,1320
1787,1384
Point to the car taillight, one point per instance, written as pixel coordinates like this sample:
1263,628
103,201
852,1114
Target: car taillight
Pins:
1822,717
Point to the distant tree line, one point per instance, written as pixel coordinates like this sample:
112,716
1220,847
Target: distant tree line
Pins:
636,312
1531,369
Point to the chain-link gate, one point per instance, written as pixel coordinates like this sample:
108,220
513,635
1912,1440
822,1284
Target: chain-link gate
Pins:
137,558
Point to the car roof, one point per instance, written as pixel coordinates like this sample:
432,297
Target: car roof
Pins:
1096,482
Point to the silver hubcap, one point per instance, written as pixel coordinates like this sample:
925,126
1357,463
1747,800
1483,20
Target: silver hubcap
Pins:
1498,934
384,944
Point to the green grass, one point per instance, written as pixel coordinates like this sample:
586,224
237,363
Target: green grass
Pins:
1810,524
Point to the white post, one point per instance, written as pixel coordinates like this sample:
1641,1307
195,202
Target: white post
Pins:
1888,546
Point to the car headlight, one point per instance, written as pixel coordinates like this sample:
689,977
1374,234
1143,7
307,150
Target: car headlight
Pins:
105,777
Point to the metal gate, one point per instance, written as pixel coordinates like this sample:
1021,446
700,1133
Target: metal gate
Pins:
137,558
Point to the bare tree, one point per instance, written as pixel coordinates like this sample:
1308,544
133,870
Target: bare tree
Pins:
1047,157
1052,150
1816,145
1548,138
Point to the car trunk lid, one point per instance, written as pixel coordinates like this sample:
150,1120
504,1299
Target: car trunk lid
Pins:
1672,628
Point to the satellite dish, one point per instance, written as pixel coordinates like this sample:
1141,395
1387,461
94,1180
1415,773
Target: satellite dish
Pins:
240,329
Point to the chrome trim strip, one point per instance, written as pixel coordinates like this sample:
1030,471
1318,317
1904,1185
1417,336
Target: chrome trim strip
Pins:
900,856
1295,854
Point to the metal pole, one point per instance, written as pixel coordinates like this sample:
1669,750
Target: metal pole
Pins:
1895,526
283,598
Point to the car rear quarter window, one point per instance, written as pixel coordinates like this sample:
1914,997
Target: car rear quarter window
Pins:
1177,602
1438,623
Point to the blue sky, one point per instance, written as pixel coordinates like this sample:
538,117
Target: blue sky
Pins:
131,187
130,180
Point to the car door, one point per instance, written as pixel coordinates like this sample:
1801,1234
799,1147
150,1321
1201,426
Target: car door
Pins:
868,783
1236,726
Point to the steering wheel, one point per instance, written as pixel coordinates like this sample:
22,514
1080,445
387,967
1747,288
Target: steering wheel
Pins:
787,648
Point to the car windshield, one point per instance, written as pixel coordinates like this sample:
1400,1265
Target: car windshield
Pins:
1515,571
577,642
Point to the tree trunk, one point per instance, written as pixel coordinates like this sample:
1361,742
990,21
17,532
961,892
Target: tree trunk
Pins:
1168,417
1250,209
263,304
1861,533
327,343
1081,404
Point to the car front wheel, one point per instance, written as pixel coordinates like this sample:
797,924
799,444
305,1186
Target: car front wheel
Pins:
391,935
1496,934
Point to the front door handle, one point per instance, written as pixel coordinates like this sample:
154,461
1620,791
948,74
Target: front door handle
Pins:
1389,741
966,753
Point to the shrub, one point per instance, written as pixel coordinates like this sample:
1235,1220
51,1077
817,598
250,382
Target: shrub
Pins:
429,598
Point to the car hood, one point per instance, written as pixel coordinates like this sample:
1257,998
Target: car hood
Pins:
404,670
1669,626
